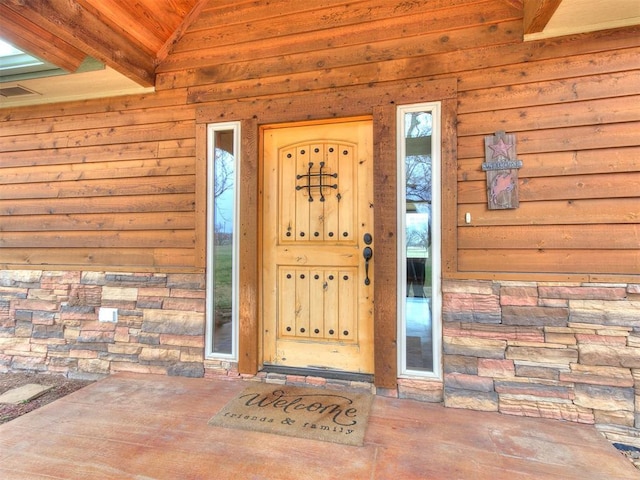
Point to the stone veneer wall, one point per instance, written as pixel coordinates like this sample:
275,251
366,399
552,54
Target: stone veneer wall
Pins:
49,323
567,351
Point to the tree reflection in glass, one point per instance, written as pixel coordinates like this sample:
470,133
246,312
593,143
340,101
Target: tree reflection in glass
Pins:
418,167
223,222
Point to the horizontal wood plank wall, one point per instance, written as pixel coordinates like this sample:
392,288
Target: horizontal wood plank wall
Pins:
577,124
106,184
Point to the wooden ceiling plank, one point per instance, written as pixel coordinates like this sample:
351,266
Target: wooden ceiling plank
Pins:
158,18
36,41
69,21
537,14
514,3
127,20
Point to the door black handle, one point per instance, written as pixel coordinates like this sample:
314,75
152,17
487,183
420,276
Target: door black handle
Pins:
367,253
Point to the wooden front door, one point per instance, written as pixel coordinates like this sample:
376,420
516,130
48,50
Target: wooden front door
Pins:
317,229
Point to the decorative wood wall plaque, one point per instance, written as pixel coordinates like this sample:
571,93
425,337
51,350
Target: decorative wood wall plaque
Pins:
501,165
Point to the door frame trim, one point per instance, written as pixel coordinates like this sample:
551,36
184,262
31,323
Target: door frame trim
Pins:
379,101
435,109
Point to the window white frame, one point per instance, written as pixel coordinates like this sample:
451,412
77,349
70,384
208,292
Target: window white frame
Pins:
210,293
435,108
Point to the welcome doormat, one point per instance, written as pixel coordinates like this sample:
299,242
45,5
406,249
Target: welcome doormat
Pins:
327,415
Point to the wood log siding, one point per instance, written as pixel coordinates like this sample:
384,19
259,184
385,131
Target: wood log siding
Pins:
123,171
86,187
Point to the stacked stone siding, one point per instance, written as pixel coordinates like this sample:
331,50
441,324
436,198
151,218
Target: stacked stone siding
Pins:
562,351
49,323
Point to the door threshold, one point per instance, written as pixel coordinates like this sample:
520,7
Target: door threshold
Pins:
319,372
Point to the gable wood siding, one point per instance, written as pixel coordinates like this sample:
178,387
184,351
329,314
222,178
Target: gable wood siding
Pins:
111,184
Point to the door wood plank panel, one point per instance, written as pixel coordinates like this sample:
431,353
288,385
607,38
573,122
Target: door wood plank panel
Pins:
301,202
331,299
316,303
289,225
347,189
331,209
302,302
348,299
287,302
316,208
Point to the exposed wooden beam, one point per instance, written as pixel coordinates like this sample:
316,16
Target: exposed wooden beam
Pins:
179,32
74,25
537,14
35,40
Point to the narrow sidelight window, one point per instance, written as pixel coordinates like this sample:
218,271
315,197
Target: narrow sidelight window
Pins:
419,240
222,243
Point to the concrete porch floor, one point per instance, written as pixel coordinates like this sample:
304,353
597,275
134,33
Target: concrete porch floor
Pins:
130,426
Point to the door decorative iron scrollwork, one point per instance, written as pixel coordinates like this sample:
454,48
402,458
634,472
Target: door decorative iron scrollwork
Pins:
321,176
